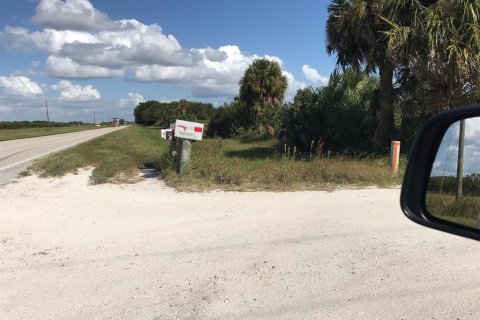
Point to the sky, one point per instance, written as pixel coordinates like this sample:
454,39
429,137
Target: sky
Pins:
104,57
447,155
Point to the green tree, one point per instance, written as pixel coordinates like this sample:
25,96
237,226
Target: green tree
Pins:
162,114
436,45
341,113
355,33
262,87
229,120
431,46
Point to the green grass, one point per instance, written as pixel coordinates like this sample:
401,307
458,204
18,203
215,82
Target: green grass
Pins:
116,156
11,134
235,165
444,206
230,164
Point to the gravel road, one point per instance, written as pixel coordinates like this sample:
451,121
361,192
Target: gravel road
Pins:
16,155
144,251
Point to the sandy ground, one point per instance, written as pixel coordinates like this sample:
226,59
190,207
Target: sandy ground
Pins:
73,251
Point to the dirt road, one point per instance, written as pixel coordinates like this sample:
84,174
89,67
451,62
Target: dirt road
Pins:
16,155
73,251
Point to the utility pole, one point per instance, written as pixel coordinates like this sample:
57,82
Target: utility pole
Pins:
94,120
461,144
46,107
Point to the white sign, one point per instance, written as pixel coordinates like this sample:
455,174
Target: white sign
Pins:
188,130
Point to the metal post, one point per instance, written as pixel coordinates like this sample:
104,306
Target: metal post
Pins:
461,144
46,107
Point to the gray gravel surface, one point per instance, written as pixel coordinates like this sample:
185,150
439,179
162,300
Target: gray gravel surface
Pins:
144,251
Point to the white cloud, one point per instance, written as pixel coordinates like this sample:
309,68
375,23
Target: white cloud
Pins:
19,92
69,14
67,68
217,73
132,100
76,93
19,86
83,43
312,75
293,86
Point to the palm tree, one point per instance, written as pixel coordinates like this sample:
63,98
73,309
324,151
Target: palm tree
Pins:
439,43
355,33
262,86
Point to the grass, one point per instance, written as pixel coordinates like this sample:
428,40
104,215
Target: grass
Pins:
230,164
117,156
444,206
11,134
235,165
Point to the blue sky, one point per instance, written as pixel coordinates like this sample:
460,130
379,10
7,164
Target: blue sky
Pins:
106,56
447,155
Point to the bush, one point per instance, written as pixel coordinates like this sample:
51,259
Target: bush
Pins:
161,114
230,120
341,114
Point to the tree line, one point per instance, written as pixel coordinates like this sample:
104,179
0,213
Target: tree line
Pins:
448,184
37,124
161,114
398,63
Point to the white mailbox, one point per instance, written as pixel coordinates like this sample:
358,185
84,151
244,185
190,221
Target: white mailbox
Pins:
165,133
188,130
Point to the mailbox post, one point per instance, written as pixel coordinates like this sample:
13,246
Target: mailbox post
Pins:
184,132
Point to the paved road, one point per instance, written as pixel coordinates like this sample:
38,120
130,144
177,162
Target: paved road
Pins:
16,155
70,250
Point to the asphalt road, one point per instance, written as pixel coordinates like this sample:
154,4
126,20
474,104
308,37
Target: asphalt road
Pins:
70,250
16,155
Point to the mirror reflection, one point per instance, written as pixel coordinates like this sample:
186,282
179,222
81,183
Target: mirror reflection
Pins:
454,187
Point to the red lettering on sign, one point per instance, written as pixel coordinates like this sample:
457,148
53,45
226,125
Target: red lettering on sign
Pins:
198,129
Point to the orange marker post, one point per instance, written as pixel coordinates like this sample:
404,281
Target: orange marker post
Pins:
394,155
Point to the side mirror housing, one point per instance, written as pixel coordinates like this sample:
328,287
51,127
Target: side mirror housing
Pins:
441,187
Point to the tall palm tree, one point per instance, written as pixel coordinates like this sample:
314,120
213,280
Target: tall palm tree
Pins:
263,86
439,43
355,33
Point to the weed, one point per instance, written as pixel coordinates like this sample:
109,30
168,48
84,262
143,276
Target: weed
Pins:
232,164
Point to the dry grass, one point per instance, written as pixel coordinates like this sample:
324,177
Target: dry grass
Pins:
234,165
444,206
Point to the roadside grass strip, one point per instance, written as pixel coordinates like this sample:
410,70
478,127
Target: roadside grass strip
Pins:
216,164
116,157
12,134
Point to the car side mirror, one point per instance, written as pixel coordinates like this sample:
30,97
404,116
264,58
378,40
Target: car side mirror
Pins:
441,188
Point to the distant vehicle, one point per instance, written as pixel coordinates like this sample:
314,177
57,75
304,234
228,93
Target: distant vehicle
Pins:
115,122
